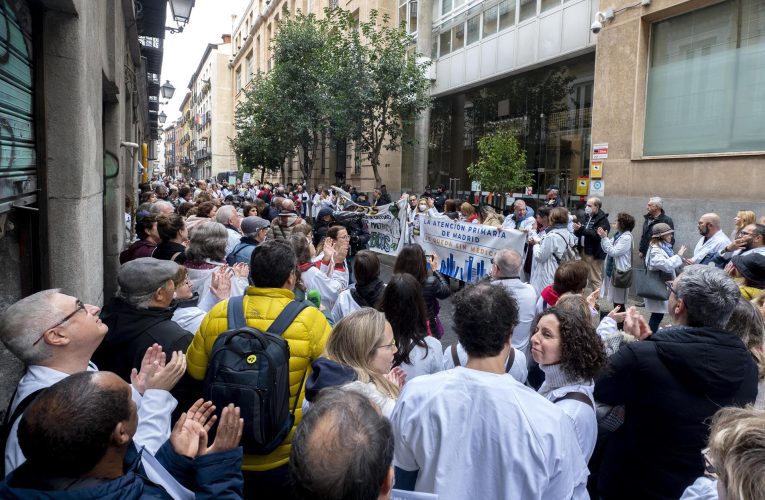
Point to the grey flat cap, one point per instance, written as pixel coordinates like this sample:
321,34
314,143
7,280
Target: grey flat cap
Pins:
144,275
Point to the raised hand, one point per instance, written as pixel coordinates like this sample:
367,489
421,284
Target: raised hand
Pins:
616,315
153,355
229,432
241,270
203,412
166,376
635,325
592,299
186,436
329,250
397,375
220,283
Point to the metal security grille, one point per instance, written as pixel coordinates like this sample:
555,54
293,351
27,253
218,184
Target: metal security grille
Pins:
18,173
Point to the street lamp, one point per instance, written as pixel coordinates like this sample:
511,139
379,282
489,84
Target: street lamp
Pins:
167,89
181,10
162,117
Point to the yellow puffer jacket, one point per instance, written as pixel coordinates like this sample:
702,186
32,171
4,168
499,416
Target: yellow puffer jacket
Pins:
306,337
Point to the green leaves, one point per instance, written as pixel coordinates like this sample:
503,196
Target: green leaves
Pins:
335,77
501,163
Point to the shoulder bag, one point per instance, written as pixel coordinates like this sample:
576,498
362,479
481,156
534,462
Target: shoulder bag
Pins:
652,284
622,279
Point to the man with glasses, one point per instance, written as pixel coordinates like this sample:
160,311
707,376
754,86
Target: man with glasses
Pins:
55,335
671,383
751,239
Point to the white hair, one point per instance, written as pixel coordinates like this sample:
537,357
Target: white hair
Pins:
159,207
224,214
655,200
23,323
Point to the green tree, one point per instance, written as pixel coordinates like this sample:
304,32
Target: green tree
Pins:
390,86
501,164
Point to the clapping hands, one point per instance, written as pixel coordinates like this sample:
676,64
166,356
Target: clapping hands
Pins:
398,376
156,373
189,437
636,325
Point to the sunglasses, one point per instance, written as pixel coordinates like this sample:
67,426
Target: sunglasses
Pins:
80,307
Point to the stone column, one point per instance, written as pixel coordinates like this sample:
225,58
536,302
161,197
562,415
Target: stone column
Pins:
422,124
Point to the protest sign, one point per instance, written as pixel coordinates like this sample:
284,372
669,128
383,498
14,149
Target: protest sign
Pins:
465,250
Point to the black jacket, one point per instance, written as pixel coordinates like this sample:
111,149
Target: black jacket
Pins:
434,288
132,331
167,249
591,238
648,223
327,373
671,385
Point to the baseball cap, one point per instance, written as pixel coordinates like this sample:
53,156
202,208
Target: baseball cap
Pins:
253,224
145,275
751,266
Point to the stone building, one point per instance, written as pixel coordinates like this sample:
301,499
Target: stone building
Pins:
679,99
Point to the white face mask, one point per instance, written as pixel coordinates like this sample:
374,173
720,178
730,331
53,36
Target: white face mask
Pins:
423,207
588,210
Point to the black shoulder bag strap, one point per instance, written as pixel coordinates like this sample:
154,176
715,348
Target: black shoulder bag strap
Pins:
510,360
455,357
577,396
11,417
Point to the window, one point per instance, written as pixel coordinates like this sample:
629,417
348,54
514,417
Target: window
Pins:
490,21
528,9
250,67
549,4
506,14
445,42
407,15
706,81
446,6
434,46
458,36
473,29
238,79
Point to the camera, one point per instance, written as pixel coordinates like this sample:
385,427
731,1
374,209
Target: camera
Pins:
596,26
600,19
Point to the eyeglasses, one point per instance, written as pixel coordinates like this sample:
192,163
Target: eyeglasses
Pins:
709,468
744,233
390,346
80,307
346,237
670,287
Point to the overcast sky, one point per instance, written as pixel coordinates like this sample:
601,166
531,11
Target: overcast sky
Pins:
209,20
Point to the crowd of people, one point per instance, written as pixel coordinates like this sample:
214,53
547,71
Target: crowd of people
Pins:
254,350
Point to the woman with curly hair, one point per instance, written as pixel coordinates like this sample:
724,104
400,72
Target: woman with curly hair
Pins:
570,354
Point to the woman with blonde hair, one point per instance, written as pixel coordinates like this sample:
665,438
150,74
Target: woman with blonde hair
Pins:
467,212
747,323
733,462
359,356
742,219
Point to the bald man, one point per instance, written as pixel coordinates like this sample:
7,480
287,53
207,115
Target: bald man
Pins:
712,240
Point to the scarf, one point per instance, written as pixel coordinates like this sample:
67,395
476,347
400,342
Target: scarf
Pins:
610,260
667,247
550,296
369,294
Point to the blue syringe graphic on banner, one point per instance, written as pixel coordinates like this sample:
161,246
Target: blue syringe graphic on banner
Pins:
467,272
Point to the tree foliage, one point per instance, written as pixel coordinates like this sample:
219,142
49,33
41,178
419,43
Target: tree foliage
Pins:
331,77
501,164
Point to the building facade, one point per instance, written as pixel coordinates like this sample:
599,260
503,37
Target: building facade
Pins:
211,102
680,106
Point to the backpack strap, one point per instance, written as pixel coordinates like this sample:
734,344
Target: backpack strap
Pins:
455,357
231,258
286,317
11,417
510,360
577,396
236,317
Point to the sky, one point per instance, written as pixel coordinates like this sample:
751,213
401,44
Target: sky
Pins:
209,20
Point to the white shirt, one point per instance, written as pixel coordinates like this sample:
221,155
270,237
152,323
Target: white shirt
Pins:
328,280
702,489
711,247
474,434
526,297
344,305
234,237
154,410
525,224
519,371
422,363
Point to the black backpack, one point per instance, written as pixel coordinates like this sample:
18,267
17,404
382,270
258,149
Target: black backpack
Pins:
250,368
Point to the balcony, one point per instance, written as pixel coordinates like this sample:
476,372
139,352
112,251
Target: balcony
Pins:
202,154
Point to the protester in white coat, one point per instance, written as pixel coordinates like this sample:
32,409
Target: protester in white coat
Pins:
618,258
661,258
712,240
549,251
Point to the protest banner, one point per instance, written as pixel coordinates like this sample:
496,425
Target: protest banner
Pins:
465,250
